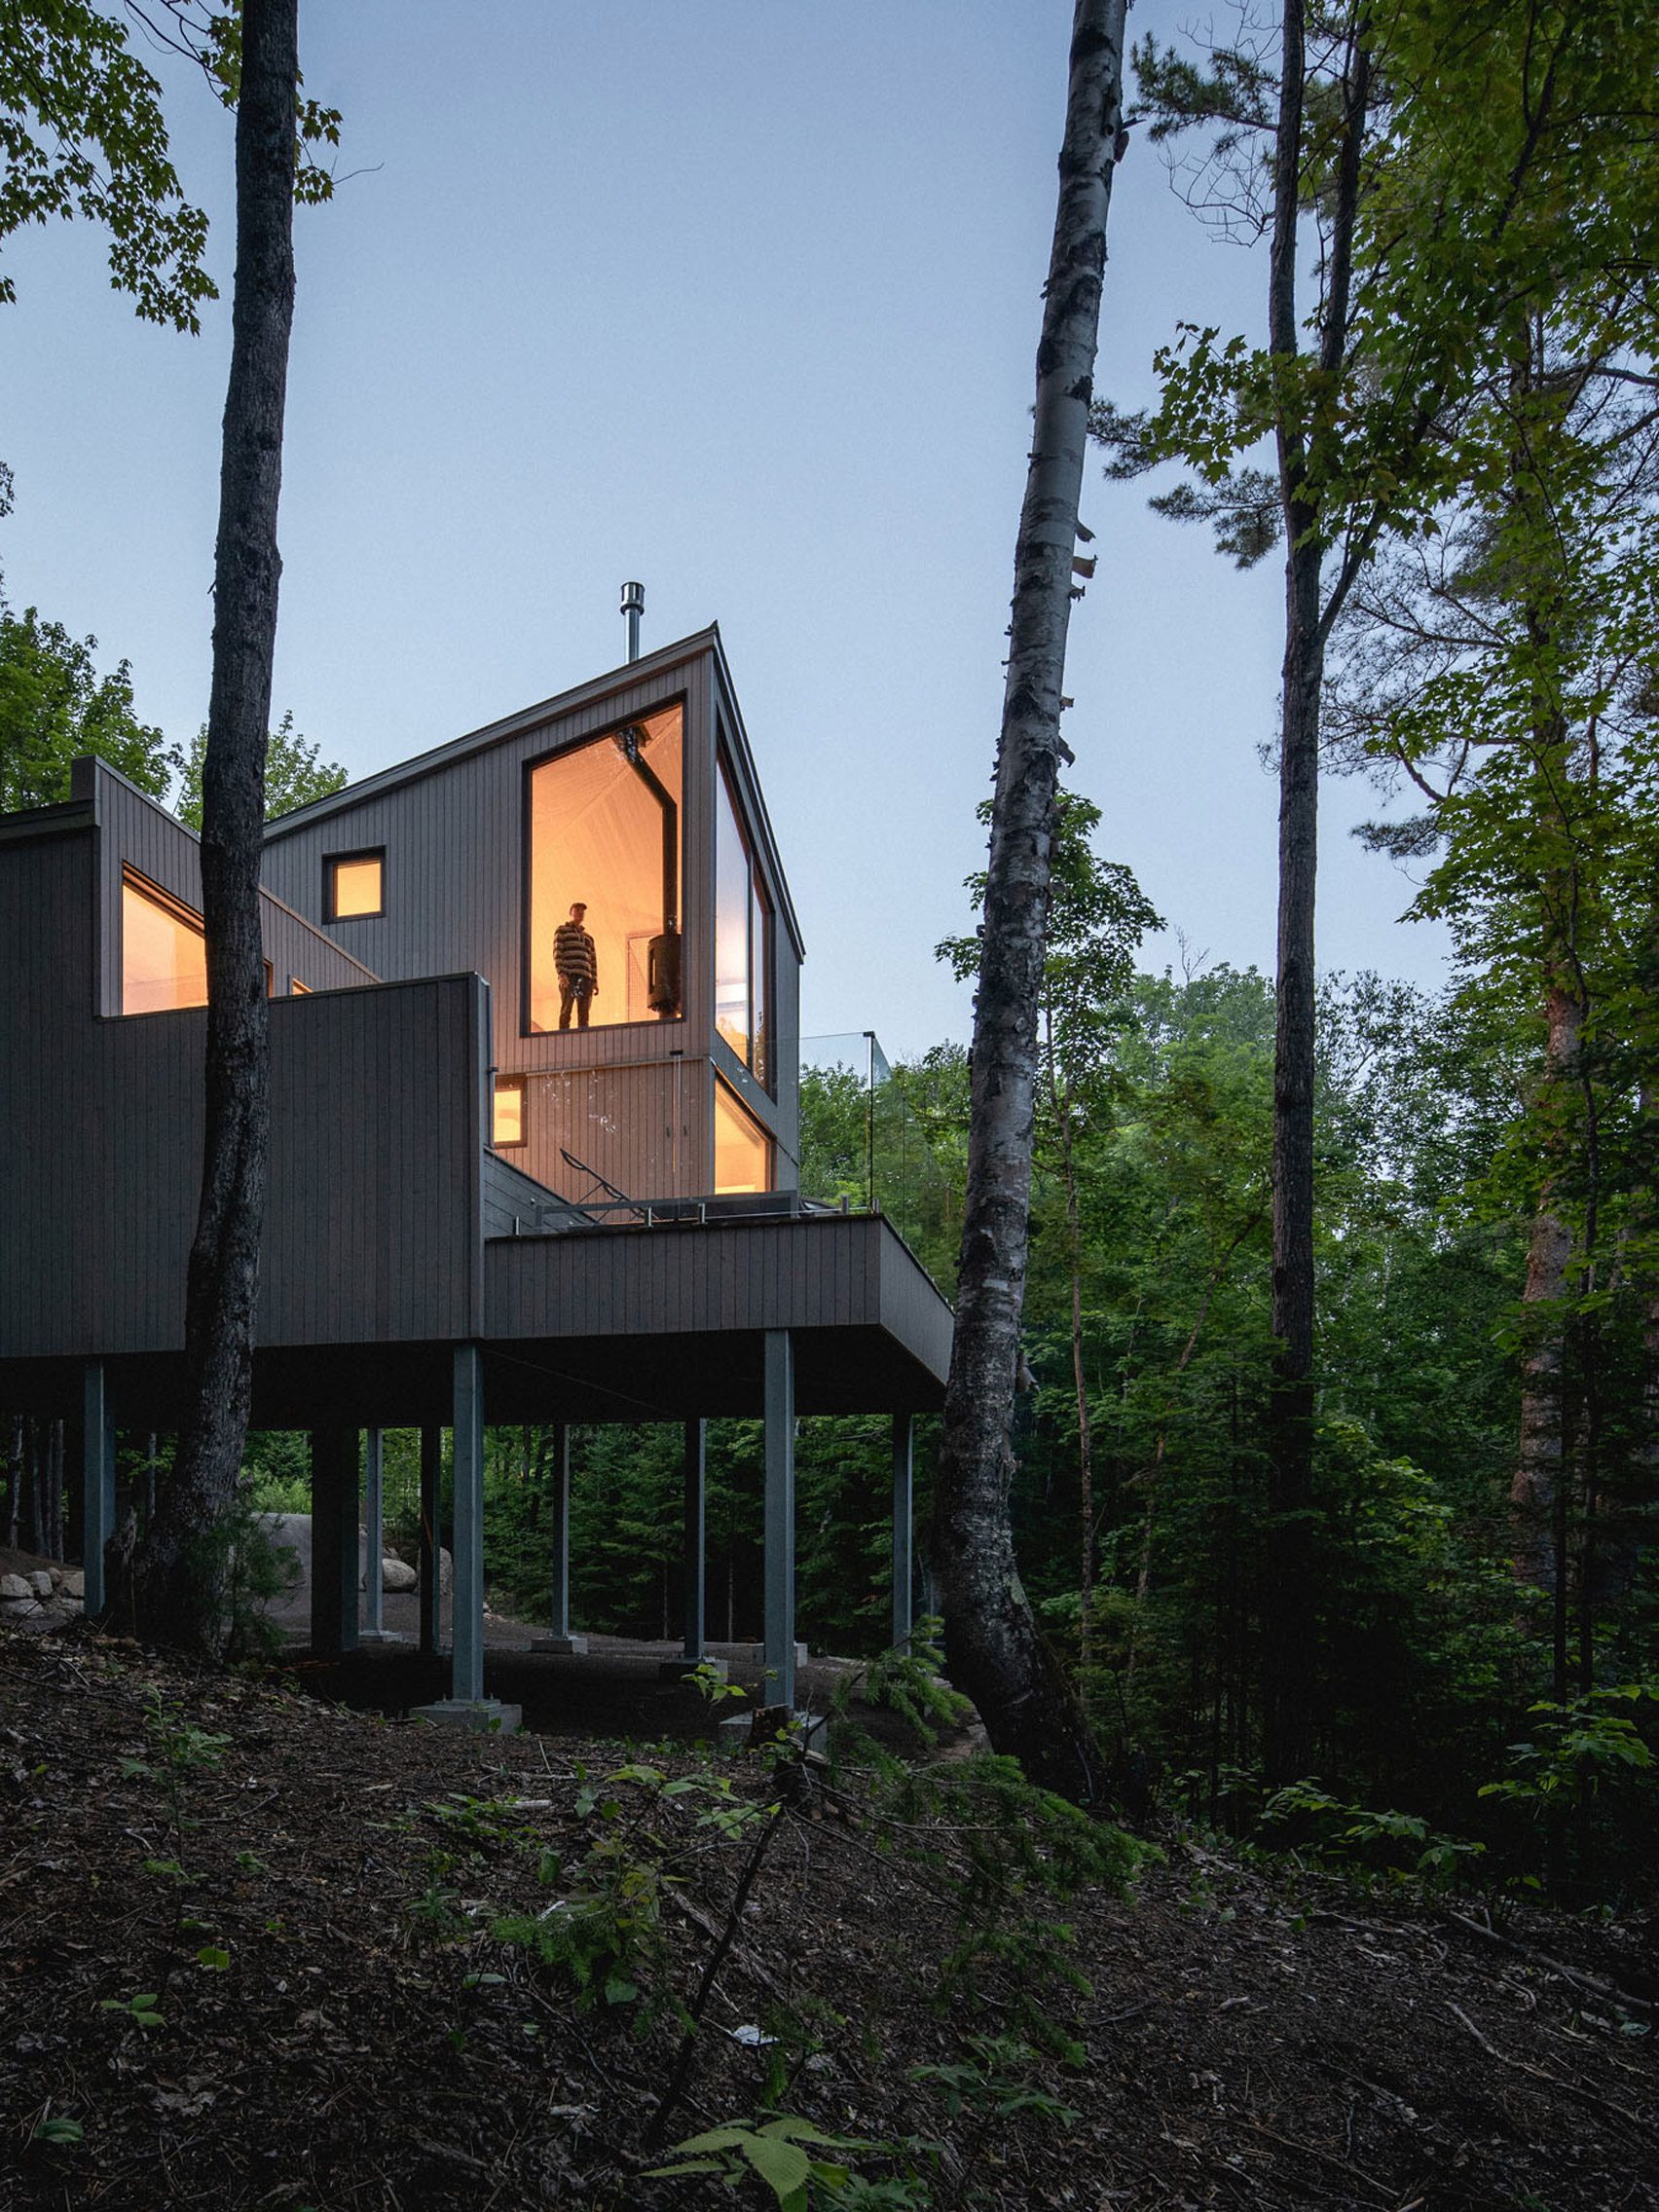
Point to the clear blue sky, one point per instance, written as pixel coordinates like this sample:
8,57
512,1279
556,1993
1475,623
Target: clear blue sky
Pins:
739,297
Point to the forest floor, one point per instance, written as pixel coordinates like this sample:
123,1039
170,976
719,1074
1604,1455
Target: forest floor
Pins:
257,1949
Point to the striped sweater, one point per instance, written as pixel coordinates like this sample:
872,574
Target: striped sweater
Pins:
573,957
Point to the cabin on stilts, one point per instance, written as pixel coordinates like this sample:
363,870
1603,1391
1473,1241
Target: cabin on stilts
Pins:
534,1129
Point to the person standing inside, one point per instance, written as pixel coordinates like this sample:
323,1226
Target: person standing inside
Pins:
575,963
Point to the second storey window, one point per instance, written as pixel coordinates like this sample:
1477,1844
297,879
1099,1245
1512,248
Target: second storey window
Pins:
353,886
164,954
743,939
603,864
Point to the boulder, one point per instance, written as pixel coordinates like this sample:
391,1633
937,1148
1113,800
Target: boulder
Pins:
13,1586
40,1582
75,1585
397,1575
292,1532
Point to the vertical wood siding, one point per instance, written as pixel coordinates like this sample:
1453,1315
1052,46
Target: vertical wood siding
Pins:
455,887
373,1227
134,833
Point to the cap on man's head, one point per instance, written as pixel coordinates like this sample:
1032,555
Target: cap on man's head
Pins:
578,906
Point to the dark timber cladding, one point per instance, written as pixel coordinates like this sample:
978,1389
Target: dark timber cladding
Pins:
411,1274
633,1099
667,1322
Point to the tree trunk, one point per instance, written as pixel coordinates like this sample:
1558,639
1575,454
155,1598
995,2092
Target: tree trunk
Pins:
1289,1613
993,1649
179,1574
1538,1491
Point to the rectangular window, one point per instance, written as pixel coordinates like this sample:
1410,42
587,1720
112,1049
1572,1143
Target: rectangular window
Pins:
761,956
163,953
509,1116
743,939
731,921
353,886
743,1150
605,860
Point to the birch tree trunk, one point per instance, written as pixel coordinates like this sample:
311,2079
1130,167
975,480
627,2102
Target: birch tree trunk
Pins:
992,1645
179,1573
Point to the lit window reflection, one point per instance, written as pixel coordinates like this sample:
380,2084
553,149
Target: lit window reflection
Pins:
508,1125
742,1152
605,887
163,955
356,886
743,939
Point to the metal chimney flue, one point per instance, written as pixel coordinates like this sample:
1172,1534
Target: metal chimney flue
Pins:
633,607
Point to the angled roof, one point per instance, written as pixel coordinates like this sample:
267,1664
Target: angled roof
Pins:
443,756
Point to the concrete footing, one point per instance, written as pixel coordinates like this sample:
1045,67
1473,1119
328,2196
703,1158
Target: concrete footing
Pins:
488,1715
759,1654
677,1669
561,1646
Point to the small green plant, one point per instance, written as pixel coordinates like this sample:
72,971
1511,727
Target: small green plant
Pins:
435,1916
140,2009
479,1823
784,2153
58,2130
1400,1845
907,1680
181,1746
708,1678
1579,1749
996,2080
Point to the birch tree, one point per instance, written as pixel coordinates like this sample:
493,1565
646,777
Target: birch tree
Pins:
993,1648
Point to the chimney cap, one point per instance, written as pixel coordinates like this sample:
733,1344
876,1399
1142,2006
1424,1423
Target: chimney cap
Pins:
632,599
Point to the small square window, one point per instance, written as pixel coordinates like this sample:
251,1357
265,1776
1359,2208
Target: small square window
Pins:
509,1116
353,886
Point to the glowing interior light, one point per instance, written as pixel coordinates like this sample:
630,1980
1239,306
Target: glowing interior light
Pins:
509,1114
163,955
743,1154
359,887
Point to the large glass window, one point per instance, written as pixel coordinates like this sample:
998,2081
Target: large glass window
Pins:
743,939
605,847
164,954
743,1150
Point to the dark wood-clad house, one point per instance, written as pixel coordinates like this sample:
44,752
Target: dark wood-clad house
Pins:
535,1149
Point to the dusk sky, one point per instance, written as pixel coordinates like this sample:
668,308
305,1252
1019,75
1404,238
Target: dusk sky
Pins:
739,297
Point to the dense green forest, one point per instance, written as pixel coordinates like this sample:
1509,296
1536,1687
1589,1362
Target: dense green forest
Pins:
1446,1691
1465,434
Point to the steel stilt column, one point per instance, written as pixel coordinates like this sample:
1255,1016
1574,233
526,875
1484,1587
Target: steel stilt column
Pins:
467,1666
